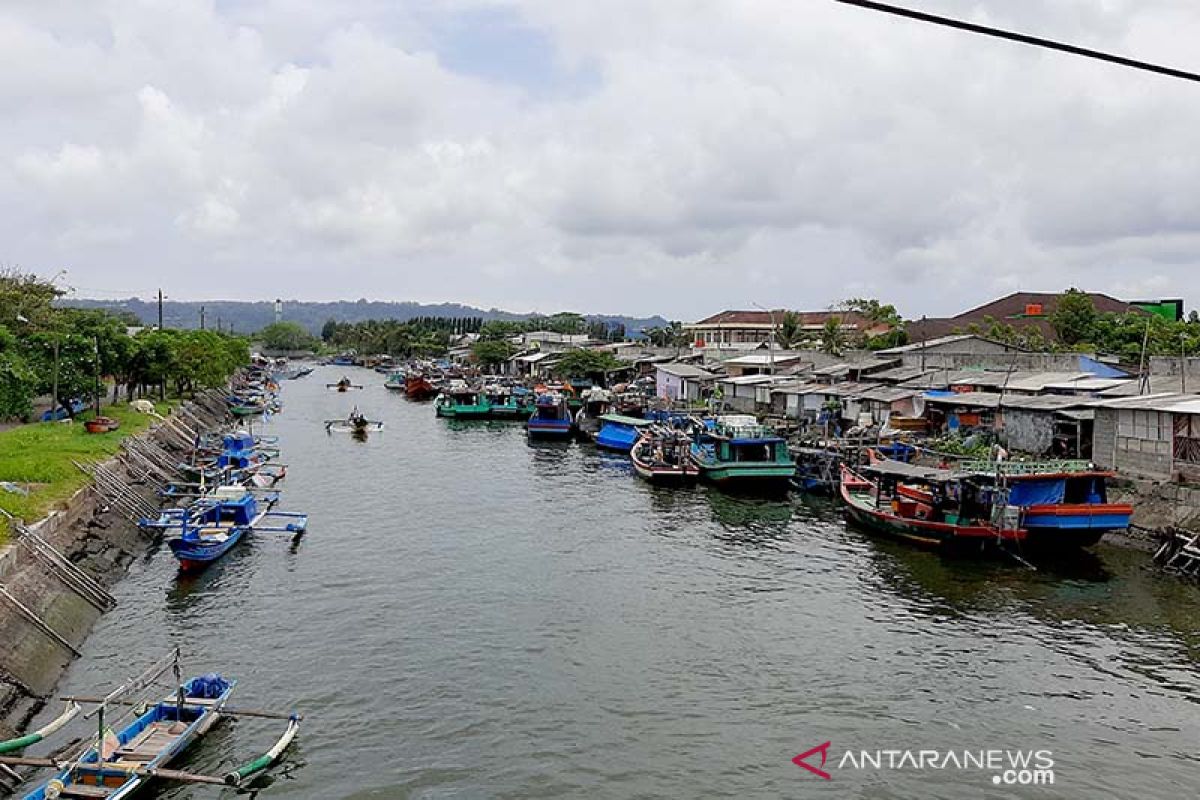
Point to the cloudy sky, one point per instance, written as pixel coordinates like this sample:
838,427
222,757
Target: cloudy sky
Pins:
674,156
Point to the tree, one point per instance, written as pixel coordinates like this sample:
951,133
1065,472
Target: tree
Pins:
1074,318
17,381
585,363
329,329
492,352
287,336
790,331
833,339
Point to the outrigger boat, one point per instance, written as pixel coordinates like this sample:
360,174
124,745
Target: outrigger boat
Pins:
211,526
355,423
663,456
344,385
551,417
740,453
619,433
396,382
120,763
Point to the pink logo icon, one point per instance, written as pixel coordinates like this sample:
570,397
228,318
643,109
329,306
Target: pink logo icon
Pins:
823,749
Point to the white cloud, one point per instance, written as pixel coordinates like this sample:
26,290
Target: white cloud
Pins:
717,153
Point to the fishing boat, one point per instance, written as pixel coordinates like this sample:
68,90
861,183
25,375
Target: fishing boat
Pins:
343,385
355,423
1062,503
619,433
154,731
211,526
395,381
551,417
950,514
344,360
596,403
459,401
419,387
662,456
740,453
510,403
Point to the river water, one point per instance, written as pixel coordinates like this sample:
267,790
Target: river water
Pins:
471,615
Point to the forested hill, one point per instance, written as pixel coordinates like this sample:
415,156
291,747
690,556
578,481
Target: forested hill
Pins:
249,317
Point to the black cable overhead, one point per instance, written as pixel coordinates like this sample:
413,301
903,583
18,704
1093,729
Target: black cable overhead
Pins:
984,30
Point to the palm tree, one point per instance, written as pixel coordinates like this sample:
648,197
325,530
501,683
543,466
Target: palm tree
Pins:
832,337
790,330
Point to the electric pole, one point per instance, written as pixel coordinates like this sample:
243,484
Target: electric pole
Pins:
201,317
160,327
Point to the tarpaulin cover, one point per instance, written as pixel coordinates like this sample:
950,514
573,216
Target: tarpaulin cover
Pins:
1037,493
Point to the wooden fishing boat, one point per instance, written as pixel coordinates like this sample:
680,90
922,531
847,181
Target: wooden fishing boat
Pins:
551,417
395,382
459,401
956,515
663,456
343,385
356,423
1062,503
212,525
738,453
619,433
139,734
419,387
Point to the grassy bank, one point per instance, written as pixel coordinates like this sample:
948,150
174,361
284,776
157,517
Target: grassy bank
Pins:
38,456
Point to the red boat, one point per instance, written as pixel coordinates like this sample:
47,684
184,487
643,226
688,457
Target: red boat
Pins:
418,387
944,521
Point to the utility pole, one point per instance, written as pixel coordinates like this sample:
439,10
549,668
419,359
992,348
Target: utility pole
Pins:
770,341
160,327
201,317
1183,363
96,354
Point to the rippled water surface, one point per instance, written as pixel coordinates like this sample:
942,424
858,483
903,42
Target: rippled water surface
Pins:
471,615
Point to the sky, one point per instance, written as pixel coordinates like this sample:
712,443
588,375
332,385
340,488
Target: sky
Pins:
674,157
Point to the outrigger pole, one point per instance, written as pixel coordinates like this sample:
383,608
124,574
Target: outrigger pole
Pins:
71,711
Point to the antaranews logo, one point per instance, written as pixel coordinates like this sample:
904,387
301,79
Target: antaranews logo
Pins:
1007,767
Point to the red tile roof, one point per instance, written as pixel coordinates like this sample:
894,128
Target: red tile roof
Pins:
1011,310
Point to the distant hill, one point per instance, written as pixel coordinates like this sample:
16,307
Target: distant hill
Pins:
246,317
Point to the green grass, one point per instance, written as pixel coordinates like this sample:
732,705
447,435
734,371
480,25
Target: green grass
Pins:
41,454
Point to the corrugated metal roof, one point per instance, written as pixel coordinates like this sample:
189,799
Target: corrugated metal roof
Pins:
967,399
685,371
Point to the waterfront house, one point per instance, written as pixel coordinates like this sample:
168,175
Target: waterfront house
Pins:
676,381
1149,436
765,362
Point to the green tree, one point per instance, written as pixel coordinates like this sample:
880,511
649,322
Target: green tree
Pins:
328,330
585,364
790,330
492,352
17,381
833,338
287,336
1074,317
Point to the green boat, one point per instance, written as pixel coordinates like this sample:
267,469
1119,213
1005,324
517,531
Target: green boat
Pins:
460,402
510,406
739,453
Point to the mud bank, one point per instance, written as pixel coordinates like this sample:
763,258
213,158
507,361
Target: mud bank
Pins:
44,614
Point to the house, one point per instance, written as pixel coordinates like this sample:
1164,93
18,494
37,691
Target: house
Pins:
1150,436
682,382
745,393
764,362
1030,310
744,329
956,344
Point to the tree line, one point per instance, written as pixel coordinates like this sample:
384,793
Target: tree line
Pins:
64,353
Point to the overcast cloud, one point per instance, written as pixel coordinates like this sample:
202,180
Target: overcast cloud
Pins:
619,156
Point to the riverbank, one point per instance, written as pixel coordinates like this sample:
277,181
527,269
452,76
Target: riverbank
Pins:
47,607
37,460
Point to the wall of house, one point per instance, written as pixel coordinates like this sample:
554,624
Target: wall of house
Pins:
1134,442
668,385
1022,362
1028,431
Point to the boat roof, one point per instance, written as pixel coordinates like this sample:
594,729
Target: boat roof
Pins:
621,419
899,469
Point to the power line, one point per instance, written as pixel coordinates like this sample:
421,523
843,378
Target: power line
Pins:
984,30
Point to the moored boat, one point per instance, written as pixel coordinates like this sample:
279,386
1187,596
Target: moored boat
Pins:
551,417
662,456
460,401
740,453
619,433
956,514
418,387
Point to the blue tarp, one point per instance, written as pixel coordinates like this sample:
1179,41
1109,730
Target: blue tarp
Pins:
1037,493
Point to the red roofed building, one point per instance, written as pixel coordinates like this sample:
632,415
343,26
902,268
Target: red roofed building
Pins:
1025,310
749,328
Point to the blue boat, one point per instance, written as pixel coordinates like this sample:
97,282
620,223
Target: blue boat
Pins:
123,762
551,418
59,413
619,433
210,527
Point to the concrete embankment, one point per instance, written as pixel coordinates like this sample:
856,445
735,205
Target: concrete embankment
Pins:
48,603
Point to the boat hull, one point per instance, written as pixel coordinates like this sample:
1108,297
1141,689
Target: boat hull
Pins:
196,554
548,429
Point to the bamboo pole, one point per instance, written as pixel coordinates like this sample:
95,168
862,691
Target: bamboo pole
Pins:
224,711
37,621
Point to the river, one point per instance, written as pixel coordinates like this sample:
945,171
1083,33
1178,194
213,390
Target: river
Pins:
471,615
